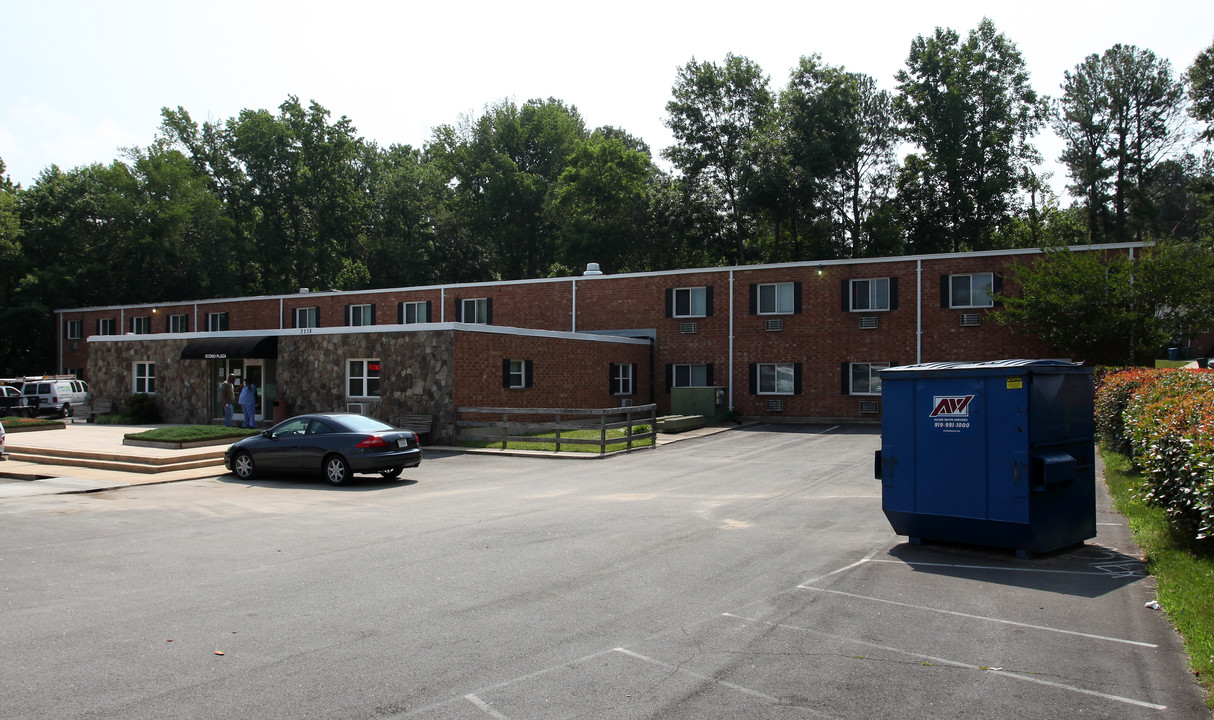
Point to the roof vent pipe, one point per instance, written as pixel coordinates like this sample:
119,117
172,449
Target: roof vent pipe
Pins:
592,269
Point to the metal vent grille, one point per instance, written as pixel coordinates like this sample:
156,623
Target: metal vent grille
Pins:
868,322
868,407
775,406
360,408
625,402
687,328
970,319
775,325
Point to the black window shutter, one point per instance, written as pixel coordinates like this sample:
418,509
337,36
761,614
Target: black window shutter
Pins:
294,314
400,313
797,388
505,373
488,311
633,375
754,299
168,325
708,301
317,309
225,321
845,291
845,373
613,384
528,373
708,378
669,377
754,379
98,326
347,311
893,293
459,310
997,286
944,291
669,302
429,312
796,297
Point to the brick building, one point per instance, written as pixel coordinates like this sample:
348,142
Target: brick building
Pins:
800,340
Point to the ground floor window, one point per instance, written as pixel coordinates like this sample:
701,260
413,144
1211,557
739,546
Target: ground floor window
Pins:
866,378
516,374
362,378
623,376
145,378
776,378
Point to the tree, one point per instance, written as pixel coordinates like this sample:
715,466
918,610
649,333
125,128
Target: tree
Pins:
1081,117
970,110
717,115
1200,77
1113,310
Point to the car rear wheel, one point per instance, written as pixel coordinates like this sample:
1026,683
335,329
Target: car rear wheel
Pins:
337,470
242,465
66,410
391,473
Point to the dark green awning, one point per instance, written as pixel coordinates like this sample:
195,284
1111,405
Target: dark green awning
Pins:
230,348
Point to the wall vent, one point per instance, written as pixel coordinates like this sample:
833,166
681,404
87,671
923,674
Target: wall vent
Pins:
868,322
625,402
687,328
868,407
359,408
970,319
775,406
775,325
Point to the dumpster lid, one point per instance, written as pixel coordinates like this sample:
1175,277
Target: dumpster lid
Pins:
989,365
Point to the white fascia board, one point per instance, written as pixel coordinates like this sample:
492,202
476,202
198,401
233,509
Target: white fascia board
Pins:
369,329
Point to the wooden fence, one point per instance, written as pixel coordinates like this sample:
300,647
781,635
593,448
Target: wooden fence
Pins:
505,425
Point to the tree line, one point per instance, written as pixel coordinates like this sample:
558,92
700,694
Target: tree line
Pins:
827,166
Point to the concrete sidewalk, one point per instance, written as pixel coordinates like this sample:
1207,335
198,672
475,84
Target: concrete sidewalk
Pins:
23,478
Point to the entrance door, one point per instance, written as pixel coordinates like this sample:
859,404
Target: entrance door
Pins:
253,374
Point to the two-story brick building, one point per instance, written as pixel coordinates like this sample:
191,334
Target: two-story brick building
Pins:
800,340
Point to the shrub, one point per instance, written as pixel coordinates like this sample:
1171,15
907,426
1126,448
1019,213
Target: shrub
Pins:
141,409
1113,394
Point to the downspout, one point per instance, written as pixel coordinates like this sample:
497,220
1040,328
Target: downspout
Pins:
442,304
918,311
574,283
195,326
280,309
731,343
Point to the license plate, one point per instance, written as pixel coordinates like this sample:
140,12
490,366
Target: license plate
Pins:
402,443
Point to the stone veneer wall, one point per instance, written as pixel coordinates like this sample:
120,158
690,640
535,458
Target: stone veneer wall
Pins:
416,376
182,388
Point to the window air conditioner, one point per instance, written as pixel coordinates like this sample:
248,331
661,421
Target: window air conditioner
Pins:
868,407
775,406
358,408
687,328
625,402
970,319
868,322
775,325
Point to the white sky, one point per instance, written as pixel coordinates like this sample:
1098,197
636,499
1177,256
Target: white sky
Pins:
84,79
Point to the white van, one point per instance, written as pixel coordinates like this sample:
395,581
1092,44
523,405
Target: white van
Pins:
56,395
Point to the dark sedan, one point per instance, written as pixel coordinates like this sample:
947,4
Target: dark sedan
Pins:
336,444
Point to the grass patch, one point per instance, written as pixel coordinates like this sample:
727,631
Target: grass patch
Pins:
565,435
192,433
12,422
1184,570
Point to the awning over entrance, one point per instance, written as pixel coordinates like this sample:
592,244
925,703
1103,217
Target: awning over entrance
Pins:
229,348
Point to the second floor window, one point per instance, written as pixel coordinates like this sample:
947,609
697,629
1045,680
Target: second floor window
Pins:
689,302
414,312
141,324
971,291
359,315
179,323
73,329
217,321
869,295
775,298
107,326
475,310
307,317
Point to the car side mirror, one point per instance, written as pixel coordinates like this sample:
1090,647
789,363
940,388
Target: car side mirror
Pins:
266,434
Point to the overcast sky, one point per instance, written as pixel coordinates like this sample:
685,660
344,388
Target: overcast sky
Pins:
84,79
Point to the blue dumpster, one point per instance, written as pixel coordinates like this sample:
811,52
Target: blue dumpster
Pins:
999,454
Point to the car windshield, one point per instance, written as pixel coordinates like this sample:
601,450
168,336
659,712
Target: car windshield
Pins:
361,423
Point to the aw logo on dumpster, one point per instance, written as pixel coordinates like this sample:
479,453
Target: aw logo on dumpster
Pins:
951,406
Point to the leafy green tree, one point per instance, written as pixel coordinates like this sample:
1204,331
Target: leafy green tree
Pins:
717,115
969,109
1113,310
1200,79
1081,117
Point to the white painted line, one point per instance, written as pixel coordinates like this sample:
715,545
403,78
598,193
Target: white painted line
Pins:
1006,569
699,676
982,618
484,707
955,663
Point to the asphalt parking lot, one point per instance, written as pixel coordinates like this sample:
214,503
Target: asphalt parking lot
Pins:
748,574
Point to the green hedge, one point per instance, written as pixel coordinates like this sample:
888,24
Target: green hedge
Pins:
1163,420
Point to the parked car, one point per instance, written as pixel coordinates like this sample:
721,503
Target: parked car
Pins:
335,444
55,395
13,403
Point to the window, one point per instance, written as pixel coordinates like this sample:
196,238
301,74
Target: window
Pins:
217,321
107,326
689,302
141,324
476,310
776,378
145,378
414,312
865,378
622,378
307,317
690,375
517,374
775,298
73,329
179,323
359,315
362,378
870,295
971,291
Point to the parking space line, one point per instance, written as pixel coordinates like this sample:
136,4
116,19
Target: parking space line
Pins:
913,563
984,618
954,663
484,707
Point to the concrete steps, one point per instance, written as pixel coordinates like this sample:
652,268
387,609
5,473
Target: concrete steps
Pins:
147,464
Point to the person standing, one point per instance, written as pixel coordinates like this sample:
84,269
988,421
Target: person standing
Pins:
2,456
227,393
248,403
